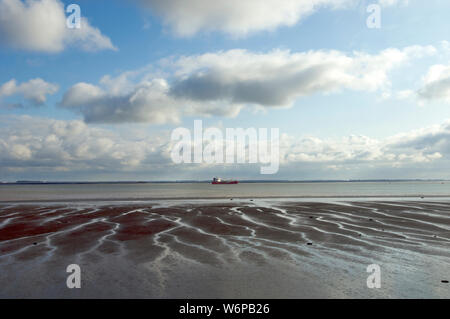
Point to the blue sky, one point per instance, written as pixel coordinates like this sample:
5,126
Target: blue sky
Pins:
170,57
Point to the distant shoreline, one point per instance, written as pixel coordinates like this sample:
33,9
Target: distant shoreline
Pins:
208,181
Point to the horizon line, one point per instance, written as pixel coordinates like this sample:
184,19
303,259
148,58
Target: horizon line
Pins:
31,182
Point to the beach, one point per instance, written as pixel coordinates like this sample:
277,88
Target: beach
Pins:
229,248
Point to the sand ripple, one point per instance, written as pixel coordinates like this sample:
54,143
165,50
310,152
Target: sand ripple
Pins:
221,234
215,233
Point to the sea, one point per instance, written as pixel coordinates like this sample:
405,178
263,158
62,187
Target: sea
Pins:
149,191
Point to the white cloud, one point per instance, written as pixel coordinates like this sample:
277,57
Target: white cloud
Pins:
240,18
35,90
40,25
235,17
436,84
88,38
147,101
222,83
279,77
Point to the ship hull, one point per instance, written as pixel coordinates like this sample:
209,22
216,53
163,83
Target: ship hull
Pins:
230,182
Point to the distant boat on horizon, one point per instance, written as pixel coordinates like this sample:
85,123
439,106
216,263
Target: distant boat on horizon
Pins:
218,180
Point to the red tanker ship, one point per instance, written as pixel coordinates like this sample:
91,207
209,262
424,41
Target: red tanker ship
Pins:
217,180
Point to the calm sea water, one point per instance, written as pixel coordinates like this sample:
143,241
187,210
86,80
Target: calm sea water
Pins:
205,190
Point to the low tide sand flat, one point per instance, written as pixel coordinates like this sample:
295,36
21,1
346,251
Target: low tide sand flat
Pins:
223,249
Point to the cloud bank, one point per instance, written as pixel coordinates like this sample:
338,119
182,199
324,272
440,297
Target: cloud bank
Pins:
62,149
55,145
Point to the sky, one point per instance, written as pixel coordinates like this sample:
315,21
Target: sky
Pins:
100,102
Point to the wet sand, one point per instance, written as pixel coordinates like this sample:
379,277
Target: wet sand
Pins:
226,249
